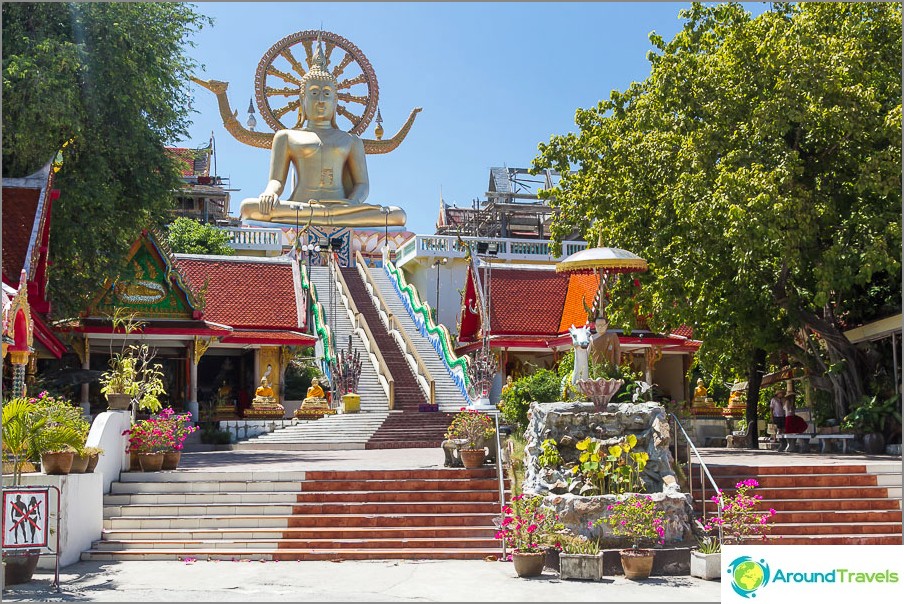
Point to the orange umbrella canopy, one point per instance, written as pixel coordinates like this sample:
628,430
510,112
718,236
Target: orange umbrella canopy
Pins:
603,259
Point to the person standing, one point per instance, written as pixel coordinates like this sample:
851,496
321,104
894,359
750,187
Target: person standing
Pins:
777,408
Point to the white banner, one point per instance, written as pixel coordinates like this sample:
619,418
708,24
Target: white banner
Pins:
807,573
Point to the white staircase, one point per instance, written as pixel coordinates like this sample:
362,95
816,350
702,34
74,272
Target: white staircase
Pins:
343,431
448,395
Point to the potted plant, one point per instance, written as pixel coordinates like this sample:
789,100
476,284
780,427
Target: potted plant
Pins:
473,428
870,420
580,558
148,442
132,376
737,521
93,454
637,518
176,428
526,526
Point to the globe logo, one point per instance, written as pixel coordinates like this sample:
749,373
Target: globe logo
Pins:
748,575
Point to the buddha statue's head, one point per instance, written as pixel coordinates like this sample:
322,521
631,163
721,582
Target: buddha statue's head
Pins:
318,91
315,382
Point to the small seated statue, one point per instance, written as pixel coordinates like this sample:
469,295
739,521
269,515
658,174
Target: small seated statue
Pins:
329,163
265,405
701,398
315,405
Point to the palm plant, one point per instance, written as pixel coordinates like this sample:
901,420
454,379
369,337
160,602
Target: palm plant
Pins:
28,431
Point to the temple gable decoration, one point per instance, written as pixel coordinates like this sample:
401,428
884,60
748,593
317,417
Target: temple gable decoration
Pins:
149,285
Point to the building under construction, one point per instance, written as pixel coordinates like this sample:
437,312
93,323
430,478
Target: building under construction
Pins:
512,209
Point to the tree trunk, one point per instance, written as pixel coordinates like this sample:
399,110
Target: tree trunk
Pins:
754,379
845,362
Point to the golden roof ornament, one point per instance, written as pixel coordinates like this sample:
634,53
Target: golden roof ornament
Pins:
280,78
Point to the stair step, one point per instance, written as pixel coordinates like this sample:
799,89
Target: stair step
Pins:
296,554
186,510
456,542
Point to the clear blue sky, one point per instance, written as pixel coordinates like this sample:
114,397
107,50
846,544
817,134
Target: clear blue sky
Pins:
494,80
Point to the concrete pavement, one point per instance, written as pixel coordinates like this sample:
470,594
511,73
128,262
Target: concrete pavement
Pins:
358,581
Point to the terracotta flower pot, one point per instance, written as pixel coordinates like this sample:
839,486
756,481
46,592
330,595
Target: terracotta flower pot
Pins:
79,464
92,463
19,569
134,464
637,563
529,564
472,458
171,460
150,462
58,462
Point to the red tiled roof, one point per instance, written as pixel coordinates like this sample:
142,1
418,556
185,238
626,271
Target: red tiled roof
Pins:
273,338
192,162
684,331
524,301
19,208
582,288
245,293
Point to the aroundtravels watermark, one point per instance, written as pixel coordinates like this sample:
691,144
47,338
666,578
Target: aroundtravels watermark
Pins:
777,573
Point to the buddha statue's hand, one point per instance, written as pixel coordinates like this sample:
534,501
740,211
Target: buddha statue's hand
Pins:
267,201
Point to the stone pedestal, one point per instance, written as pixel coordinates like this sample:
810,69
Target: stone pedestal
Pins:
264,407
314,408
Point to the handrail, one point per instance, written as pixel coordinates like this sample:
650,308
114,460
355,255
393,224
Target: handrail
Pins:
361,322
320,325
703,470
437,334
392,319
501,480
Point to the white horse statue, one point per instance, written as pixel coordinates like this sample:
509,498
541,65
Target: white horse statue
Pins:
580,339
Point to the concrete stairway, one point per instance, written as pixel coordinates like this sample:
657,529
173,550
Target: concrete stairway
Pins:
410,428
350,431
448,395
315,515
821,504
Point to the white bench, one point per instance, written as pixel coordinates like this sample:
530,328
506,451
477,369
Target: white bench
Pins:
825,439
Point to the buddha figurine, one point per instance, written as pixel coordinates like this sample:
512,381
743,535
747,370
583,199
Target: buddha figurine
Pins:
315,405
701,395
329,164
265,405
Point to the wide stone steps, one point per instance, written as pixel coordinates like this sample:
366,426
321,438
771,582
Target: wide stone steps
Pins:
820,504
314,515
448,396
343,431
291,555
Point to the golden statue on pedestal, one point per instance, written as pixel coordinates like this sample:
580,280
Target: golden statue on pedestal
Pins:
315,405
265,405
329,163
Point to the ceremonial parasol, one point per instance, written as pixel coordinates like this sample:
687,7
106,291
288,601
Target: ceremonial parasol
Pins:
602,261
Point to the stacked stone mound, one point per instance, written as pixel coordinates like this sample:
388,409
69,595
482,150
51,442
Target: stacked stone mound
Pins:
570,422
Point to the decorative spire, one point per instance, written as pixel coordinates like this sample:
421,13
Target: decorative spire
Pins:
319,69
378,131
252,121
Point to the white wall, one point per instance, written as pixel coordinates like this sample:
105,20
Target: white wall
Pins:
81,513
669,375
106,433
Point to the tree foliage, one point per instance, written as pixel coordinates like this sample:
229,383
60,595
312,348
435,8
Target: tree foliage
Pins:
187,236
106,83
758,170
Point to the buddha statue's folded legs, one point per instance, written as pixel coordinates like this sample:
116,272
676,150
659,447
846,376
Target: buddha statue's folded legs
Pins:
326,214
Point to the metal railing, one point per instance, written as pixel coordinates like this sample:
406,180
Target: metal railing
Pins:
704,472
393,324
360,322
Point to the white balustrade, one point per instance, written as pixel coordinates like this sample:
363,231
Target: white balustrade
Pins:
513,250
254,238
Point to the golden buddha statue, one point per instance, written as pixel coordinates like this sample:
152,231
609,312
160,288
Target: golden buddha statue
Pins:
329,164
701,395
315,405
265,405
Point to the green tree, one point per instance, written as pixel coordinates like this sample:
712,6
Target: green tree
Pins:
106,85
758,170
187,236
542,386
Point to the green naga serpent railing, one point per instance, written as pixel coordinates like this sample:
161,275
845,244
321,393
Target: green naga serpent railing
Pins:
437,334
320,327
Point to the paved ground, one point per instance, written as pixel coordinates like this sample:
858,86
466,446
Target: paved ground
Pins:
370,581
365,581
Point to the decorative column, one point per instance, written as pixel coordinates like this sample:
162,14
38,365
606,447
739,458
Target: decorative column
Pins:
83,350
198,348
18,359
652,355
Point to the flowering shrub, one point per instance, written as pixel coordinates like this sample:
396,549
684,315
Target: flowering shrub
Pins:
637,518
166,432
470,425
527,525
738,518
